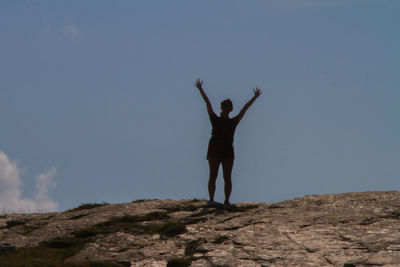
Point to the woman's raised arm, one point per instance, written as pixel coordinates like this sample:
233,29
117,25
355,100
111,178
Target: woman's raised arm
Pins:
199,84
257,93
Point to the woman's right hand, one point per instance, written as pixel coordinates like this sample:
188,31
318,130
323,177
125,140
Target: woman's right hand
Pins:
198,84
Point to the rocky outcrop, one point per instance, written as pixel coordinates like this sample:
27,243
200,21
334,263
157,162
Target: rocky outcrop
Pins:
352,229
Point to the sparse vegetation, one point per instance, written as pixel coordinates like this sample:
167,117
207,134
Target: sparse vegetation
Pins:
127,223
181,208
24,230
167,229
393,214
50,253
54,252
154,216
138,200
64,242
220,239
191,247
77,217
28,229
275,206
12,223
218,208
133,224
94,264
243,208
87,206
180,262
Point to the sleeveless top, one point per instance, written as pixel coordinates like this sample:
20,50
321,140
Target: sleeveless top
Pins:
220,145
223,129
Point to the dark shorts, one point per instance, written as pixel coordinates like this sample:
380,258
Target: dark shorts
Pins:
220,149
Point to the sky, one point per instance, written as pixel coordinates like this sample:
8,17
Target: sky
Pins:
97,102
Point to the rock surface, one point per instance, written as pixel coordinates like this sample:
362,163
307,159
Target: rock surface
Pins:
352,229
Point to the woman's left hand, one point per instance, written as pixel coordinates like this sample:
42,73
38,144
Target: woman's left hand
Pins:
257,92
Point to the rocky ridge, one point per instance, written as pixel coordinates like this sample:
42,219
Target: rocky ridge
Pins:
352,229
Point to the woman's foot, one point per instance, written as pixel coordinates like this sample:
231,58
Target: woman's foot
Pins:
227,203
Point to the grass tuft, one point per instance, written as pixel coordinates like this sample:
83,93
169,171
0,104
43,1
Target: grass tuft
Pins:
180,262
181,208
102,264
191,247
12,223
134,224
220,239
87,206
167,229
62,242
234,208
77,217
139,200
49,253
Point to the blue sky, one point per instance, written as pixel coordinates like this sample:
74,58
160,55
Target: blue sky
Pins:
97,101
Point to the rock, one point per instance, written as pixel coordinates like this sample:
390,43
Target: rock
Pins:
352,229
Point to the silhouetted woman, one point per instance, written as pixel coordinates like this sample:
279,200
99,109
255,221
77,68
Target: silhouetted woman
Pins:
220,147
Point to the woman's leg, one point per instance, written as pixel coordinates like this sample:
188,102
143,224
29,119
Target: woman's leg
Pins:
227,166
214,166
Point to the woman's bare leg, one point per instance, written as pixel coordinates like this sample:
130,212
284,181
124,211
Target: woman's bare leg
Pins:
227,166
214,166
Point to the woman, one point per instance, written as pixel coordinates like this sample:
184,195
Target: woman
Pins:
220,147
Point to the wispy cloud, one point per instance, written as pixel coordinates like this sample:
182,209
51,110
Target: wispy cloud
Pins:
11,199
310,4
71,32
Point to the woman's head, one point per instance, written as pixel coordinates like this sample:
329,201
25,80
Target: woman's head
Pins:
227,105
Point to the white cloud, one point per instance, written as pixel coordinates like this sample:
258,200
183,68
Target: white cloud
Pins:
10,189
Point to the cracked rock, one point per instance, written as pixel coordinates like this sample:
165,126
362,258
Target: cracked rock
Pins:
352,229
